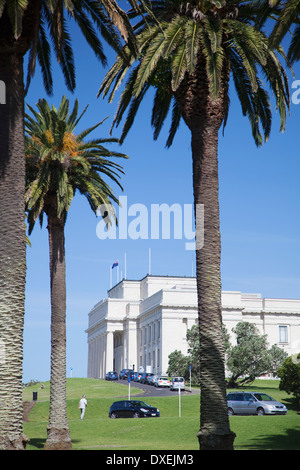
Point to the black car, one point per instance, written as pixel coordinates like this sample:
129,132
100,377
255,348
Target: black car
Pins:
132,409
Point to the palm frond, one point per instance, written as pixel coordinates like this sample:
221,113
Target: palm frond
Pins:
120,20
176,118
178,67
192,44
44,58
210,39
15,11
190,55
288,15
160,110
294,48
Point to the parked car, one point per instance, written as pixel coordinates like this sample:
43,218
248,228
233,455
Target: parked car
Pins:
149,379
124,373
162,381
177,383
132,409
254,403
136,376
143,378
111,376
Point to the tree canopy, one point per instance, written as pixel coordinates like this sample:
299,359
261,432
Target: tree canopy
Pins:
289,374
250,358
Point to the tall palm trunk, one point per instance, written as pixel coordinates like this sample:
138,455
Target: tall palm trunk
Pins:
204,117
214,422
12,226
58,437
12,250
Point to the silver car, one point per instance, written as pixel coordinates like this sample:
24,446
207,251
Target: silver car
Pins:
254,403
162,381
177,383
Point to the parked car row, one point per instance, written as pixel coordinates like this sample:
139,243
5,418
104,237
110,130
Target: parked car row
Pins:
243,403
156,380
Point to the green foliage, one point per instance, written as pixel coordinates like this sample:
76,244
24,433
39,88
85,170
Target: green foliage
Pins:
251,358
289,374
222,36
246,361
287,21
59,163
178,365
91,16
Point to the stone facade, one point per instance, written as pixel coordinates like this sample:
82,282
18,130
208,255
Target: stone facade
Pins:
141,322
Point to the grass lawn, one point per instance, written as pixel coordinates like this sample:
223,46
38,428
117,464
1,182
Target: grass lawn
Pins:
169,432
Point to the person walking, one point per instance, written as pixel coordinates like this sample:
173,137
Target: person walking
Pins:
82,405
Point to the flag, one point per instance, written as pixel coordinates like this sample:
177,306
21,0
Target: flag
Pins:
116,263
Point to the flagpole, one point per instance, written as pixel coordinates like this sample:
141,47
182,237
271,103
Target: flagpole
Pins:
149,260
110,269
125,267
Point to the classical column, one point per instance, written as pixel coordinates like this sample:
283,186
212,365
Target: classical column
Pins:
132,344
109,351
102,356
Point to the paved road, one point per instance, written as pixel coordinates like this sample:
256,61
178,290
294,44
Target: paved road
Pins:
151,391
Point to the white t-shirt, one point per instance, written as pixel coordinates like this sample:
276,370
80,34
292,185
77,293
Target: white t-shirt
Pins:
82,403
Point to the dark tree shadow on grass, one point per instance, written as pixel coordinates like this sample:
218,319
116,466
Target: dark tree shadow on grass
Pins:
290,440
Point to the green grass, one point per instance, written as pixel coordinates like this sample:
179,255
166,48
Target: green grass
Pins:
169,432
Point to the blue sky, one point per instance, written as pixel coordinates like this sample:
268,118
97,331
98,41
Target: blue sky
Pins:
259,205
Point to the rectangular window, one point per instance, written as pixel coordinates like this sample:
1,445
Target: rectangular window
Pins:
283,334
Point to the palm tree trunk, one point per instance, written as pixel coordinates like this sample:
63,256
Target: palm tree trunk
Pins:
204,116
12,249
214,431
58,437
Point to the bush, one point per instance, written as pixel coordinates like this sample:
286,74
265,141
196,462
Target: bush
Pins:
289,374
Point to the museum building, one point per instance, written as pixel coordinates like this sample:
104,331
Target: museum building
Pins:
142,321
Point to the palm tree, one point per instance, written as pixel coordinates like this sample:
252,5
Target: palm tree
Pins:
59,163
31,26
288,16
189,57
